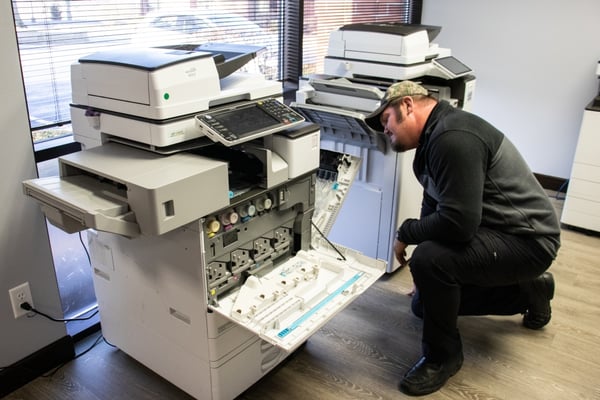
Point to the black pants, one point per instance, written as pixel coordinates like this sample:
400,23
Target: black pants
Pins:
483,277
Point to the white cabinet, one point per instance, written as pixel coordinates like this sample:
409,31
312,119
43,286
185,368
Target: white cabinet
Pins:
582,204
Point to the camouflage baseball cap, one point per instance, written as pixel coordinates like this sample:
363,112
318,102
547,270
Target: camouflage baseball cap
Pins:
396,91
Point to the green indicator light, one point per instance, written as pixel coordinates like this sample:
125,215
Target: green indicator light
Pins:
166,96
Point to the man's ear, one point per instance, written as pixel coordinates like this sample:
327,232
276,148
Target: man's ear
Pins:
409,103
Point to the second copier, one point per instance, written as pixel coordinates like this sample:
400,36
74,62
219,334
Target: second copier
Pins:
362,61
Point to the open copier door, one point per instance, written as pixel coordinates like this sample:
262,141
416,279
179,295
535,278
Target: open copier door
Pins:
290,303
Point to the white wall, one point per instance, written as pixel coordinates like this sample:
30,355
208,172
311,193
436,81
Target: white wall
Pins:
24,247
535,63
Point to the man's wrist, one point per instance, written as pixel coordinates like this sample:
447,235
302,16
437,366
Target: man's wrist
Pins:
398,236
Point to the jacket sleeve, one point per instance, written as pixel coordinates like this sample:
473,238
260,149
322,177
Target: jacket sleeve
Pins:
428,204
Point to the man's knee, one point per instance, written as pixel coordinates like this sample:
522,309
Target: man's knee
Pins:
432,262
423,258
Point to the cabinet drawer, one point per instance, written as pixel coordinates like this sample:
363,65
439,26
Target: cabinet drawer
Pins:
581,213
589,139
585,172
584,189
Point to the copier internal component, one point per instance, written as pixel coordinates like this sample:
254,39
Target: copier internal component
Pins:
252,235
334,178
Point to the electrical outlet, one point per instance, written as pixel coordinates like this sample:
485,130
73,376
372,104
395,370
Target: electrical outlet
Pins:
19,295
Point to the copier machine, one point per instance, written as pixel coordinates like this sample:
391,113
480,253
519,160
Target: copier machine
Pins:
362,61
197,189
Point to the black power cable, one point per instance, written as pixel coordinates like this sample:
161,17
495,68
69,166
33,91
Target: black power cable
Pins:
27,307
326,239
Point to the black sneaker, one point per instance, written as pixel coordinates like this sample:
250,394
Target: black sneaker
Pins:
540,291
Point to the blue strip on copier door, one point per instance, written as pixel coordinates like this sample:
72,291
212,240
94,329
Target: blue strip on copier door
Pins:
320,305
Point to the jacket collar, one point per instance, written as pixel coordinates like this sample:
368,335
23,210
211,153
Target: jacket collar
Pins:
438,112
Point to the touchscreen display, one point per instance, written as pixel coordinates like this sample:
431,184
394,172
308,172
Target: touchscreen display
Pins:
245,120
453,65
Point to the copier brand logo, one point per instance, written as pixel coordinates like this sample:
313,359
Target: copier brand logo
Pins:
191,72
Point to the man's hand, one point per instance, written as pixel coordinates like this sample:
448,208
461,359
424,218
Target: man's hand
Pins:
400,252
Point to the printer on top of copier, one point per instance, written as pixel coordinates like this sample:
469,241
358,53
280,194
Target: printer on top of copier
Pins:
390,50
388,42
150,96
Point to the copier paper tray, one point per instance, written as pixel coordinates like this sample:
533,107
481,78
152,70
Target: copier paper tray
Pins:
294,300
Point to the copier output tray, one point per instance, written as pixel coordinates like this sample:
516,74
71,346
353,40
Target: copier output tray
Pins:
128,191
346,126
294,300
74,203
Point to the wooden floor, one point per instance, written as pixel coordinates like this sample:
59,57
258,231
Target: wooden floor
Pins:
363,351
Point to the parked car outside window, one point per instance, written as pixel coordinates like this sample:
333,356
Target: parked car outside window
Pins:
195,26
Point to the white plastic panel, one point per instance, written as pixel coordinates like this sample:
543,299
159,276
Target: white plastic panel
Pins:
332,187
581,213
354,217
290,303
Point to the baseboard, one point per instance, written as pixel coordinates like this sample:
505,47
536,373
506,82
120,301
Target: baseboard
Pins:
553,182
36,364
87,332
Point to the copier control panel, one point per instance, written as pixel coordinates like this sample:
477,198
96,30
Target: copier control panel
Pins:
247,121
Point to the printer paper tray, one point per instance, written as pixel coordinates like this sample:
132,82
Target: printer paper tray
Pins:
78,202
294,300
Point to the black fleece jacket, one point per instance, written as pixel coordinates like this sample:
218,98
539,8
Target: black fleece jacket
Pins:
472,177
